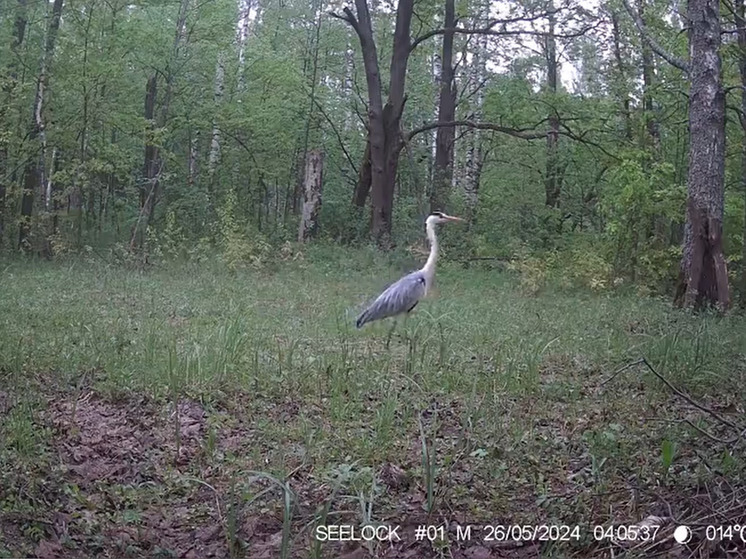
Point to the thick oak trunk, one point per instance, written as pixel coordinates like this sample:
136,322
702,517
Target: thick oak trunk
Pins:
704,278
312,188
384,136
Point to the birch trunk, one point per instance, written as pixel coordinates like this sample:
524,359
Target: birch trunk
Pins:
475,148
244,25
215,139
312,188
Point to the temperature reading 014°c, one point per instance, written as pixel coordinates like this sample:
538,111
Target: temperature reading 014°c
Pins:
727,532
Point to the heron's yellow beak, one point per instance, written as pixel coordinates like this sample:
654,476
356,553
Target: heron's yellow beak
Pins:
454,218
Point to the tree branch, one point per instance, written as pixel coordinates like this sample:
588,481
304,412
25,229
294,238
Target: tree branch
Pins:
337,134
675,61
348,17
488,30
694,403
523,133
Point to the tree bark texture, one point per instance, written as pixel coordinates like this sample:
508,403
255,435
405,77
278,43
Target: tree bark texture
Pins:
217,98
553,178
364,179
312,188
741,26
34,183
313,78
383,120
243,35
704,277
149,183
445,135
193,157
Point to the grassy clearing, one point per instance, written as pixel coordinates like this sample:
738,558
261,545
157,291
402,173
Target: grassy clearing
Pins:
238,410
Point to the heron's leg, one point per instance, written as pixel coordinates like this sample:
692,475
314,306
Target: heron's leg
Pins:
405,336
391,332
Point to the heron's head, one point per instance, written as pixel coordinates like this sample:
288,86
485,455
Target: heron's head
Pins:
440,217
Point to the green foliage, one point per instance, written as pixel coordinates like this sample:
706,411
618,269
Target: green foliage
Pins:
668,453
240,245
640,204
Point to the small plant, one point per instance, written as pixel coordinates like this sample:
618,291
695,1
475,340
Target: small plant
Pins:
668,453
429,469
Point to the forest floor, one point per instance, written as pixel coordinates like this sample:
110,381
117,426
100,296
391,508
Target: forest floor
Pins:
187,411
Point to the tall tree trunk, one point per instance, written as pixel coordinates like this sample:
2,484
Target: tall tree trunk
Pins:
445,135
383,121
349,92
741,25
217,99
244,13
704,277
53,189
312,187
34,184
364,178
151,171
153,167
648,79
553,178
475,152
622,91
311,105
193,156
19,32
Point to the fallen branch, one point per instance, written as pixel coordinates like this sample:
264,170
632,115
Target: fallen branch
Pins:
622,369
740,432
693,402
710,435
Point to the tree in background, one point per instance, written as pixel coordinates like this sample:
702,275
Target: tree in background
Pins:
179,128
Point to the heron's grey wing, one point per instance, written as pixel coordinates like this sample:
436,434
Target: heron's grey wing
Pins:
398,298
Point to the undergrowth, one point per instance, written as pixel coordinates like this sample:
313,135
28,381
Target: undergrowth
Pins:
489,403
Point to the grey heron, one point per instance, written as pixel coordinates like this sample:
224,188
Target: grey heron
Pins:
401,297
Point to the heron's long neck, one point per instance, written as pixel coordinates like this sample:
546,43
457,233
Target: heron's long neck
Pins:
429,268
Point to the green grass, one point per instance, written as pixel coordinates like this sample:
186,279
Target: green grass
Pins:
490,402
